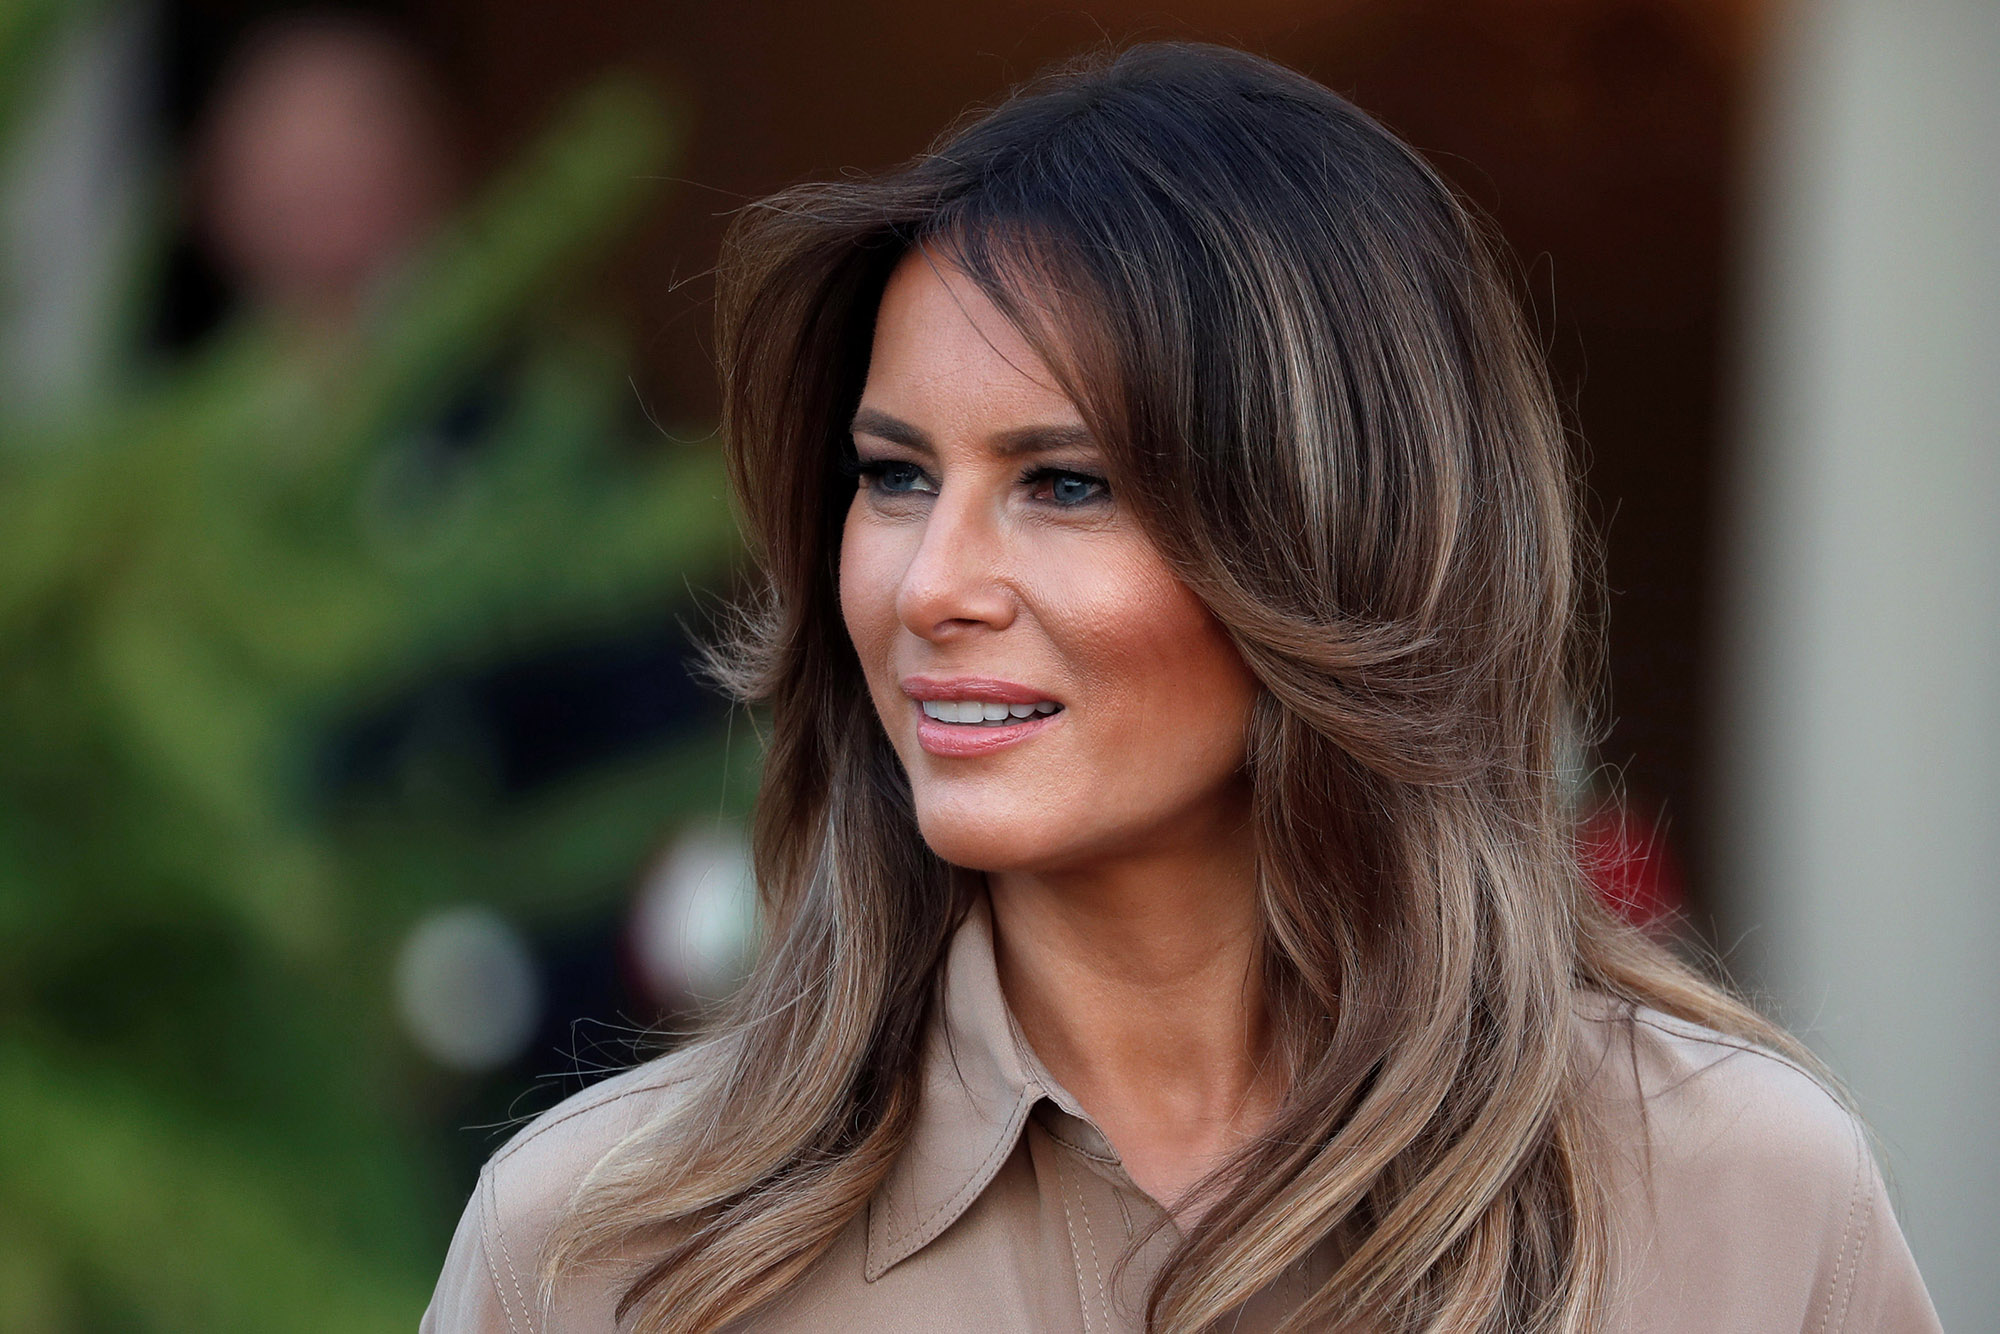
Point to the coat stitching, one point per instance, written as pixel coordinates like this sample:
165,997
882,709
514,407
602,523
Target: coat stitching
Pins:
592,1105
1847,1237
1076,1257
920,1232
1861,1236
1000,1150
1108,1159
1103,1299
491,1231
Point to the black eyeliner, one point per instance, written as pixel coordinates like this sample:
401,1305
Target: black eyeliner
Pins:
1041,472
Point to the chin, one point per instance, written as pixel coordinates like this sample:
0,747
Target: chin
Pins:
975,850
984,843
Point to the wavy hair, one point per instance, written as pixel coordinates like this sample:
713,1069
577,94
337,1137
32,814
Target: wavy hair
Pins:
1312,382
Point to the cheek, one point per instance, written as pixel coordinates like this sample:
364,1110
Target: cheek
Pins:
868,578
1166,673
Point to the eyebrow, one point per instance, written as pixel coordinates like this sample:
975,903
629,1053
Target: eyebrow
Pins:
1013,443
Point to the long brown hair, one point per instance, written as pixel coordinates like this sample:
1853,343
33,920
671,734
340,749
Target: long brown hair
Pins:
1313,384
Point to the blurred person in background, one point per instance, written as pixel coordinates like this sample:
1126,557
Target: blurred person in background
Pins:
292,535
1174,910
329,157
325,161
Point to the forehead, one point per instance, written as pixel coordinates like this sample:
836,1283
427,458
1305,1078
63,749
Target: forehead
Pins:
944,356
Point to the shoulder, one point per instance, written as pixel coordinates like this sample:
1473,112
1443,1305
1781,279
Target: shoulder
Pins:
1692,1094
537,1170
489,1280
1743,1191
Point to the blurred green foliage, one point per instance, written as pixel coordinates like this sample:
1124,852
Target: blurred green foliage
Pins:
208,1120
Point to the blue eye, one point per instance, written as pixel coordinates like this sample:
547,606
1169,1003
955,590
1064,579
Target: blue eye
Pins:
895,476
1068,489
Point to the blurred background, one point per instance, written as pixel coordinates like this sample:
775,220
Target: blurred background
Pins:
359,501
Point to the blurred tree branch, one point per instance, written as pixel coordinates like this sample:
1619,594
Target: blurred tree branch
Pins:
199,1089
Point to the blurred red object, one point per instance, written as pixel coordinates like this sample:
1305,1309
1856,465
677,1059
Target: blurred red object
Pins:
1627,860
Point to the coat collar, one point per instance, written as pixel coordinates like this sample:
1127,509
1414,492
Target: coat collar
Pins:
981,1083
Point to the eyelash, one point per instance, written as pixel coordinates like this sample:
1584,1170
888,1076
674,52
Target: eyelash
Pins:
872,471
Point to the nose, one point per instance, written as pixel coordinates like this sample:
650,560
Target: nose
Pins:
956,582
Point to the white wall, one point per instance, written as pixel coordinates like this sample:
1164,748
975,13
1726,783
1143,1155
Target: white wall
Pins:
1859,799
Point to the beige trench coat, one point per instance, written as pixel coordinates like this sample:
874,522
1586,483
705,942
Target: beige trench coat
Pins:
1009,1210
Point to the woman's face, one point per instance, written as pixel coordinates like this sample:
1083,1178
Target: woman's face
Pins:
1056,695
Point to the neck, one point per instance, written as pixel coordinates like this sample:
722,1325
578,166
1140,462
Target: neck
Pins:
1138,984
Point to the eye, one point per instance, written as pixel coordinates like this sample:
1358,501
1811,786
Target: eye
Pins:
893,476
1065,488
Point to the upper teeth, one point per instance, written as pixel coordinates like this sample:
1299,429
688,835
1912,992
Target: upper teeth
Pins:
979,711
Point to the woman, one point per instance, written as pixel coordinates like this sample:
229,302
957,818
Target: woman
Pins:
1172,918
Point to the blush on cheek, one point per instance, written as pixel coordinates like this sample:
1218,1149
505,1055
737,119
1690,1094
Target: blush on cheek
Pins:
1146,641
1165,697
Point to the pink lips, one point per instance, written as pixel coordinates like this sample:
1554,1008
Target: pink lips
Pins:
961,740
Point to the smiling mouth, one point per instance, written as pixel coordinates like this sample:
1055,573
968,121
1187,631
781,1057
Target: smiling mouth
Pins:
982,713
